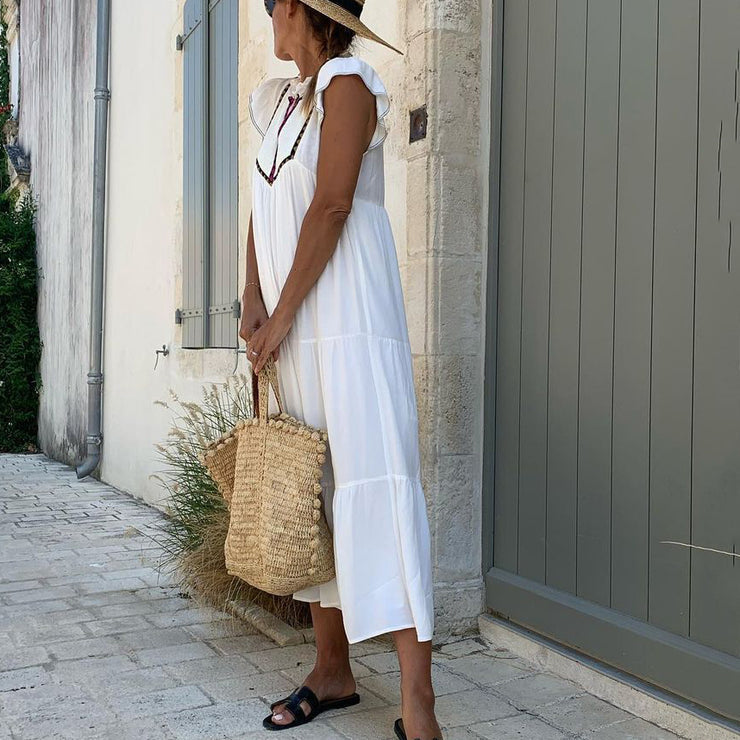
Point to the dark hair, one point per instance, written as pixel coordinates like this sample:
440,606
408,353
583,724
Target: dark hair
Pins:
335,39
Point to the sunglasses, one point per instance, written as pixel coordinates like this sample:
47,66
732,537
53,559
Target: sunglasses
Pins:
269,7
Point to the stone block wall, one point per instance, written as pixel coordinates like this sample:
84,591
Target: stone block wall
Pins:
444,288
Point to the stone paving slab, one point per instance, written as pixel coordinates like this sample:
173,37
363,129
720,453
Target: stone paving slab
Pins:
96,643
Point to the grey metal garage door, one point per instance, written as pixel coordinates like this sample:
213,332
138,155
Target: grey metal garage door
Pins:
615,339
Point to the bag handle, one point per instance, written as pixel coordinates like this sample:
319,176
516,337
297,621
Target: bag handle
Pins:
266,377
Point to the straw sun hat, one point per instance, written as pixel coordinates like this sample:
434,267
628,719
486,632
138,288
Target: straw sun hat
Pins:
347,12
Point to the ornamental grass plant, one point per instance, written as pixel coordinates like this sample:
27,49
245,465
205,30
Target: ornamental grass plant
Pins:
197,516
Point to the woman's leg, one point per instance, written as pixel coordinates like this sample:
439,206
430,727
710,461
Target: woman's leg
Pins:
417,694
332,676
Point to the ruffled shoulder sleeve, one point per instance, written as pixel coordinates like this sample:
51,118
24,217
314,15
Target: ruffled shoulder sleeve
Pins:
263,100
352,65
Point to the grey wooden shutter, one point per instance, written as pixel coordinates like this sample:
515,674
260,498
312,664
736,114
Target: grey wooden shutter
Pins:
210,175
195,180
223,47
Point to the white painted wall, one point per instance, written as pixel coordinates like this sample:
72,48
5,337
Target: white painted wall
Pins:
142,242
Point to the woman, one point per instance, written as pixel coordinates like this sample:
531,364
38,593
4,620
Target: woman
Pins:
323,296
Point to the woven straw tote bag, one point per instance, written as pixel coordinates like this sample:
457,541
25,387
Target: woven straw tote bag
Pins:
268,469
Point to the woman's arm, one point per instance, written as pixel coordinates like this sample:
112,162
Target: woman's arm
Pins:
252,272
346,131
253,313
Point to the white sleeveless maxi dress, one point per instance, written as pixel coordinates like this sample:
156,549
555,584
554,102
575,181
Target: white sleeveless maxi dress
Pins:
345,364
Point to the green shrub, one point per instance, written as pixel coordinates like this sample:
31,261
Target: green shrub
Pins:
5,107
20,344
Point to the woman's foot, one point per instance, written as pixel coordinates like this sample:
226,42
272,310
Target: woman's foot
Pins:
417,713
326,684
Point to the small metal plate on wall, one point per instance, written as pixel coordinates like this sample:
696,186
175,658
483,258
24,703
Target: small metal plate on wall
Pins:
418,124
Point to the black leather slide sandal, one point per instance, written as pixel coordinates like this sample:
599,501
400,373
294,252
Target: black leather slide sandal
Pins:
293,705
400,732
343,701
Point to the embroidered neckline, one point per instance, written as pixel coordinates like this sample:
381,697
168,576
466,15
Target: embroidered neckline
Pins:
296,87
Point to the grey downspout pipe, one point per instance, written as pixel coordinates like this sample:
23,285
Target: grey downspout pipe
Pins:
95,375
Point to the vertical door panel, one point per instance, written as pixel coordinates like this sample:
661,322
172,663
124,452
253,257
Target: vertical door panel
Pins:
536,289
597,302
671,371
715,482
513,139
633,298
565,269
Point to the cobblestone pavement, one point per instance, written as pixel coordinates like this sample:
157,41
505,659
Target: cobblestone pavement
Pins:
95,644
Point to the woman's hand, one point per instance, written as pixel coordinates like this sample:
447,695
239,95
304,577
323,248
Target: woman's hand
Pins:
267,339
254,315
261,332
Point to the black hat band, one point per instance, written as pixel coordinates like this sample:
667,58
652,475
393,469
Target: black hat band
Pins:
351,6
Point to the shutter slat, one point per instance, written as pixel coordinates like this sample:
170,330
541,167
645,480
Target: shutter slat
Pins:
223,32
194,173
